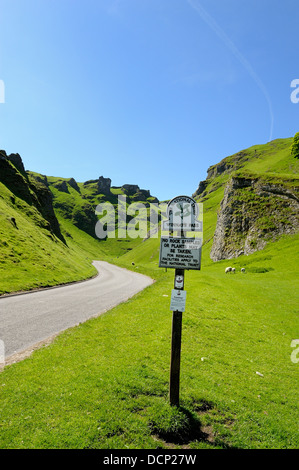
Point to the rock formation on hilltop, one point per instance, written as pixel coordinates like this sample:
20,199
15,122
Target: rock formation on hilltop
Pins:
62,186
73,184
225,166
137,194
16,160
104,185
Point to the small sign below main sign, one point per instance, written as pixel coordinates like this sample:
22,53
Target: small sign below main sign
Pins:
179,281
178,300
181,253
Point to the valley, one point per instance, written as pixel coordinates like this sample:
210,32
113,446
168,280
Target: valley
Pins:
104,383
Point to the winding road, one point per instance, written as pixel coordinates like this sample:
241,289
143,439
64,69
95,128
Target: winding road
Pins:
29,319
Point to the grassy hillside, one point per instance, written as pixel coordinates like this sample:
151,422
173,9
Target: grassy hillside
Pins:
271,163
34,253
32,256
104,384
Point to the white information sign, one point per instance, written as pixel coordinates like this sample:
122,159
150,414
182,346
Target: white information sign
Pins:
181,253
178,300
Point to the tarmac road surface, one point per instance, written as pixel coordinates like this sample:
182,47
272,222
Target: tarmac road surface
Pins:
31,318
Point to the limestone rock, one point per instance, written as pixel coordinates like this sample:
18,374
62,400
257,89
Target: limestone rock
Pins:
104,186
62,186
13,158
16,160
73,184
130,189
253,211
26,187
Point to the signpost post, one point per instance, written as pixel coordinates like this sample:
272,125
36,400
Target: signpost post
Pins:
175,361
181,253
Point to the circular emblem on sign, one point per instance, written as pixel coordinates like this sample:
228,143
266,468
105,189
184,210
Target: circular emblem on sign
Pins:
182,206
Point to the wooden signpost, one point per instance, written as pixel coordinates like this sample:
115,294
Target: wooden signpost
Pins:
181,253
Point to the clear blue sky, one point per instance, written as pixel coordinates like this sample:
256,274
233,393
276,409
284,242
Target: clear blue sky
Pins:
147,92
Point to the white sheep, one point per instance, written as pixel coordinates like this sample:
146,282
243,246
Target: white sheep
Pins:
233,270
242,270
228,270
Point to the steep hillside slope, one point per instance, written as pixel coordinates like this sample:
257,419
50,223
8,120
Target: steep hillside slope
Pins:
255,194
76,202
35,250
36,195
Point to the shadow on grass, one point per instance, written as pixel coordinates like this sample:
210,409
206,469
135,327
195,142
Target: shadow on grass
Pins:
181,427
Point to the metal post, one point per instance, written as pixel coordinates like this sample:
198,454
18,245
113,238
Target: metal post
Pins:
175,362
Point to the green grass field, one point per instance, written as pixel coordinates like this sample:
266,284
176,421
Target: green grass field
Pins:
104,384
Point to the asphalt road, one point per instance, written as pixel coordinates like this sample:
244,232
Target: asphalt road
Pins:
31,318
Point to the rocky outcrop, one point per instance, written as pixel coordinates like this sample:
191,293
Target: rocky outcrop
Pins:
86,183
24,186
44,204
16,160
104,186
14,180
73,184
42,179
254,210
134,192
226,166
62,186
130,189
13,158
85,219
201,188
141,195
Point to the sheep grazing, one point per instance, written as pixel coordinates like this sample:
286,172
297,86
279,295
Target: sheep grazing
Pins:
230,270
242,270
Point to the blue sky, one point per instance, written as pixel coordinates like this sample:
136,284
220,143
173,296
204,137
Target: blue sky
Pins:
147,92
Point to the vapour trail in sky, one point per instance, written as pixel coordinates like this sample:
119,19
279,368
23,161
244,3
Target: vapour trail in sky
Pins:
195,4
